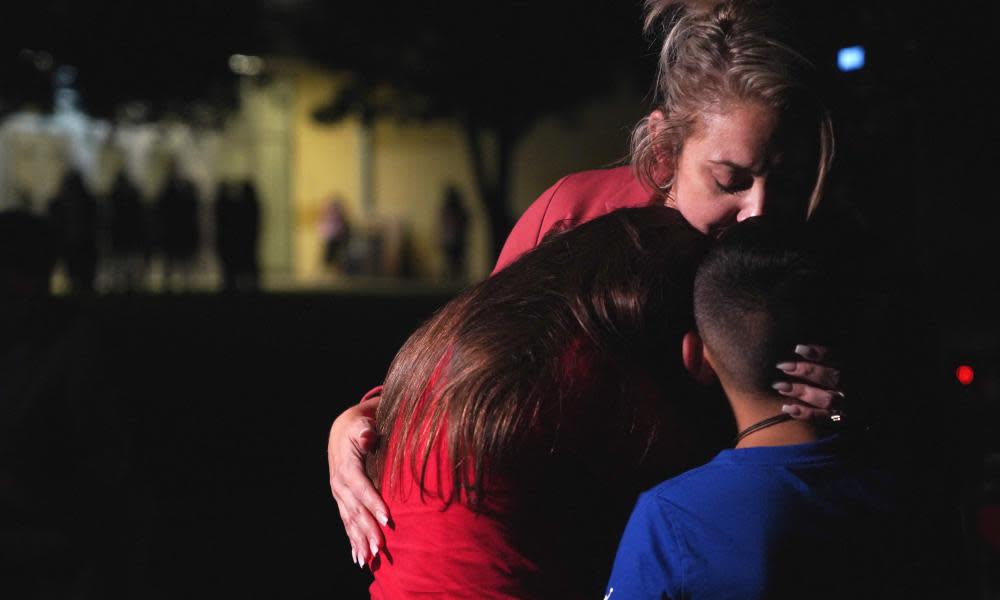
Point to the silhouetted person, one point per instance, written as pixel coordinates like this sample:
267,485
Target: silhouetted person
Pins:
225,208
177,216
334,230
128,235
73,212
454,232
237,230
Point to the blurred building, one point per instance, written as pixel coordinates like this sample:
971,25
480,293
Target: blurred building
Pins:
296,163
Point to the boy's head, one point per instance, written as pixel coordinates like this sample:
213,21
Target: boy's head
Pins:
761,291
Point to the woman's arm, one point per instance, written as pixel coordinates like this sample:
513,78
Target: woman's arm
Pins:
352,436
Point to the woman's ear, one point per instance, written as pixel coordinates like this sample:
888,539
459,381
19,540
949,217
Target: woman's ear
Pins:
695,359
656,124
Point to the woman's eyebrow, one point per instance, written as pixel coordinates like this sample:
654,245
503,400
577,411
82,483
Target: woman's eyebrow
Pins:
728,163
736,166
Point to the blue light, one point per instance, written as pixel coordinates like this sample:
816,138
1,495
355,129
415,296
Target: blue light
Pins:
851,58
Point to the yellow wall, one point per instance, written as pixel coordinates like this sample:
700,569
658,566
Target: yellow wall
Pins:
592,136
413,166
413,163
324,163
261,143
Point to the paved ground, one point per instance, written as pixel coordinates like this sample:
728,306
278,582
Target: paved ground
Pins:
192,429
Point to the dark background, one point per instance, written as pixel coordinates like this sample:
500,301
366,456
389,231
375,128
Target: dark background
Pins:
179,441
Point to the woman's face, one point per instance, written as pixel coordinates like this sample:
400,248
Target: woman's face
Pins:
739,162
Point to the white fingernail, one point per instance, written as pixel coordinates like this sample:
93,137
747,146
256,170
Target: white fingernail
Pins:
803,350
374,547
788,409
782,386
382,518
786,366
354,555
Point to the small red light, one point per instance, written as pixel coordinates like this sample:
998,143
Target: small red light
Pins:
965,374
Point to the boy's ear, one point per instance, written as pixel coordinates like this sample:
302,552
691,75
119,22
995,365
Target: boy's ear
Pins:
695,358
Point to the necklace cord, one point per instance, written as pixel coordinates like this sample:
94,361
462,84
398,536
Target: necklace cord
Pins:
761,425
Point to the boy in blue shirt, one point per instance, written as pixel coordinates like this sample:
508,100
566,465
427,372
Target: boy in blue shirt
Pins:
791,511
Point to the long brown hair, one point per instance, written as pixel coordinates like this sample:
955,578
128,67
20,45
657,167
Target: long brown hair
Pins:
581,322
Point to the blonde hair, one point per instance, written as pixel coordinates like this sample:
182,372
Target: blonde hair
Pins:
715,53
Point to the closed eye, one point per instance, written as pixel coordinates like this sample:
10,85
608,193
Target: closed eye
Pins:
725,188
737,185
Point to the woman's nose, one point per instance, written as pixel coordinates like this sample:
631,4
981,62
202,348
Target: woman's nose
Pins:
754,201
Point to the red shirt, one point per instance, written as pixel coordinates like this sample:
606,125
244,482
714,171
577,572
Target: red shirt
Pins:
449,551
573,200
441,549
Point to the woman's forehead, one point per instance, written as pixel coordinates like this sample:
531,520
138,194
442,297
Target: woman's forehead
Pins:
746,134
741,134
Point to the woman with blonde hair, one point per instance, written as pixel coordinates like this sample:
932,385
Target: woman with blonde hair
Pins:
736,131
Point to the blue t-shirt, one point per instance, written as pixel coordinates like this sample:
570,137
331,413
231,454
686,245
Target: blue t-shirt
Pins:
799,521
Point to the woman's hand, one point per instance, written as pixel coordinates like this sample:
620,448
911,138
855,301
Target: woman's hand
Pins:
816,385
352,436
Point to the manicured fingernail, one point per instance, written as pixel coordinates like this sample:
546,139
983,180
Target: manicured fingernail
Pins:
382,518
374,547
786,366
803,350
790,409
354,555
782,386
361,561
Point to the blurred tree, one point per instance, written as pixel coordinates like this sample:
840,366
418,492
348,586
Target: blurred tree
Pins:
496,68
168,56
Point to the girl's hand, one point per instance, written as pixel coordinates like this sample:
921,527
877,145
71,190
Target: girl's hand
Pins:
813,383
352,436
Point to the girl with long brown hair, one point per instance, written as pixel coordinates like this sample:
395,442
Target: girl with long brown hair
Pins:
559,376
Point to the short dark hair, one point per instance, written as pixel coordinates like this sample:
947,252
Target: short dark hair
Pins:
760,291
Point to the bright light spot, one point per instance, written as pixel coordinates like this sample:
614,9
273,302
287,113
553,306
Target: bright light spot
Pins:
851,58
965,374
242,64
